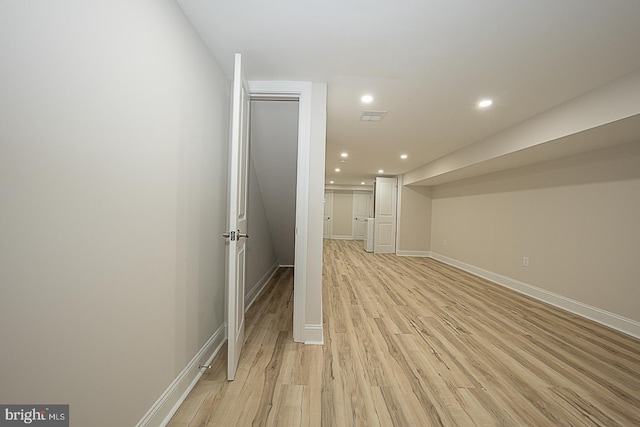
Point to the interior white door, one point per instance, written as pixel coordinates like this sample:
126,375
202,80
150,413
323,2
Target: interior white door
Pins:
237,234
386,205
328,212
361,201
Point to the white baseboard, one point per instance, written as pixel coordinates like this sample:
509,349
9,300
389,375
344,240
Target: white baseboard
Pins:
612,320
258,287
341,237
423,254
313,334
166,406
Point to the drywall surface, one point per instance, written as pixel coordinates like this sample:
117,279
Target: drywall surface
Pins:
342,215
575,219
113,188
414,219
274,150
613,102
261,256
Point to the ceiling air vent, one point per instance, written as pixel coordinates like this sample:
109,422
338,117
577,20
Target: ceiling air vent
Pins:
372,116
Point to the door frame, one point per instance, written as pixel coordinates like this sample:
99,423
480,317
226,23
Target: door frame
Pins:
328,195
302,92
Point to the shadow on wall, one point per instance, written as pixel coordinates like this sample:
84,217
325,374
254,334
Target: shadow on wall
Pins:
612,164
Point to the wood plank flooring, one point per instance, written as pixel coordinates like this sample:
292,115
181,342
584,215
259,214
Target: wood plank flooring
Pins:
414,342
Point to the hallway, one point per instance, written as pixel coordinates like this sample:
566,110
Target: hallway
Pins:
411,341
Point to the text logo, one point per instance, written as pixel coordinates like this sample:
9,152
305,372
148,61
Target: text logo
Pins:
34,415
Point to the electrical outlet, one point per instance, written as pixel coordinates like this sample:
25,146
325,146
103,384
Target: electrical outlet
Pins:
525,261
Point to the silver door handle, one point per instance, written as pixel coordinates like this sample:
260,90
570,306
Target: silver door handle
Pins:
246,236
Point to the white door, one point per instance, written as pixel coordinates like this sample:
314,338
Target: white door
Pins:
385,232
361,201
328,211
237,234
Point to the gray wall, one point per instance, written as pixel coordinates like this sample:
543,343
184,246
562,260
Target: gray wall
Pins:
274,149
113,177
261,256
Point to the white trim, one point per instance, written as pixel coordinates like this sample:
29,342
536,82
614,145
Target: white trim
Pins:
341,237
400,179
287,266
422,254
612,320
303,92
313,334
326,231
257,289
365,188
168,403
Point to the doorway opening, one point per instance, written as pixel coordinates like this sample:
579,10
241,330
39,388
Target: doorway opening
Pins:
311,126
273,152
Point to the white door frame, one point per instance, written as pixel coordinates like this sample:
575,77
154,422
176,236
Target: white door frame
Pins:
328,230
300,91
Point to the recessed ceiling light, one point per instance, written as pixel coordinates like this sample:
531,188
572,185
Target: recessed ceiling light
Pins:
344,155
485,103
330,182
366,99
362,183
403,156
380,171
337,169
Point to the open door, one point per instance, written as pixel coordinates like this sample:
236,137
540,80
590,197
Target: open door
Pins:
237,234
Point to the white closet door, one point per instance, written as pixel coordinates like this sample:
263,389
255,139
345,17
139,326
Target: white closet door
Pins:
361,201
385,219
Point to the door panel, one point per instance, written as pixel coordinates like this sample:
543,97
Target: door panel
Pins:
385,232
361,209
237,234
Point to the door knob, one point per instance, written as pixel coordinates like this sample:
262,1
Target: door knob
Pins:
246,236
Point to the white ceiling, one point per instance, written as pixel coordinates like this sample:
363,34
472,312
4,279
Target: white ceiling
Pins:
426,62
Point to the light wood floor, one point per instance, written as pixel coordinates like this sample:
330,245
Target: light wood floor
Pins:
414,342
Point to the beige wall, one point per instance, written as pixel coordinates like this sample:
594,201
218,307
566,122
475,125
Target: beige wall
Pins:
414,220
342,216
576,219
113,190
